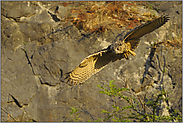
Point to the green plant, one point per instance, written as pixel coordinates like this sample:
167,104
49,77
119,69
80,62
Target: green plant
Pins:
138,110
24,43
137,113
152,45
74,111
118,115
164,71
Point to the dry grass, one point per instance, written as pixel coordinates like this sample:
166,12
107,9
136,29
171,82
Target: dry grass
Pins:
102,16
105,15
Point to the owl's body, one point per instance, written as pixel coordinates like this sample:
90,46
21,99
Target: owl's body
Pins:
118,50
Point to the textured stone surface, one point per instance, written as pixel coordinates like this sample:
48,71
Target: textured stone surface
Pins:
37,50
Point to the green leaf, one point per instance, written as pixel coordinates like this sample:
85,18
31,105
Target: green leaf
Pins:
104,111
24,43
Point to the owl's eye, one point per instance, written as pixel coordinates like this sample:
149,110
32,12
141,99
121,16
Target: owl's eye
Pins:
117,48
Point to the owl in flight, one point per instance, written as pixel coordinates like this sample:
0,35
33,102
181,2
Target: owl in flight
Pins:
122,48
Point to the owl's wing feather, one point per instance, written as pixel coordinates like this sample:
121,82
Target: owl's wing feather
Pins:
141,30
134,43
91,65
88,67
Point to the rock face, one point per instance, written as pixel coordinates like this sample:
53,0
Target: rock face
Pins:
37,50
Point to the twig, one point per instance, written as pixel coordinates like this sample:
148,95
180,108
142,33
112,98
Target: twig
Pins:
9,115
141,102
146,107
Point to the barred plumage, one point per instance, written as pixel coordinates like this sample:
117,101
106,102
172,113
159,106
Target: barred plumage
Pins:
120,49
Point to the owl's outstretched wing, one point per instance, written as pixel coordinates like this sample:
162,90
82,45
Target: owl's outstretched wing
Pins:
143,29
91,65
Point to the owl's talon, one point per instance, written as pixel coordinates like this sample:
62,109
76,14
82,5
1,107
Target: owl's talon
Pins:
126,56
133,53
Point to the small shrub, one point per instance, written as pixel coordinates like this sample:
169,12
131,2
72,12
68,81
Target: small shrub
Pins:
74,112
137,113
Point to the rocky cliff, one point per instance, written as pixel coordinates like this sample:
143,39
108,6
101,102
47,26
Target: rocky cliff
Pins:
38,47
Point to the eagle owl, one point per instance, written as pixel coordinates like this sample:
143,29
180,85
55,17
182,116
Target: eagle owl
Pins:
122,48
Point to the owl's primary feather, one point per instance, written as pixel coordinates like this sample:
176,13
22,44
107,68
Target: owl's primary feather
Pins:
120,49
146,28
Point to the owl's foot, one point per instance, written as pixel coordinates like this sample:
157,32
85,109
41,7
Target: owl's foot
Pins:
133,53
126,55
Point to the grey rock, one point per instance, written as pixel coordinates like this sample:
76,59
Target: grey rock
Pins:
37,51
